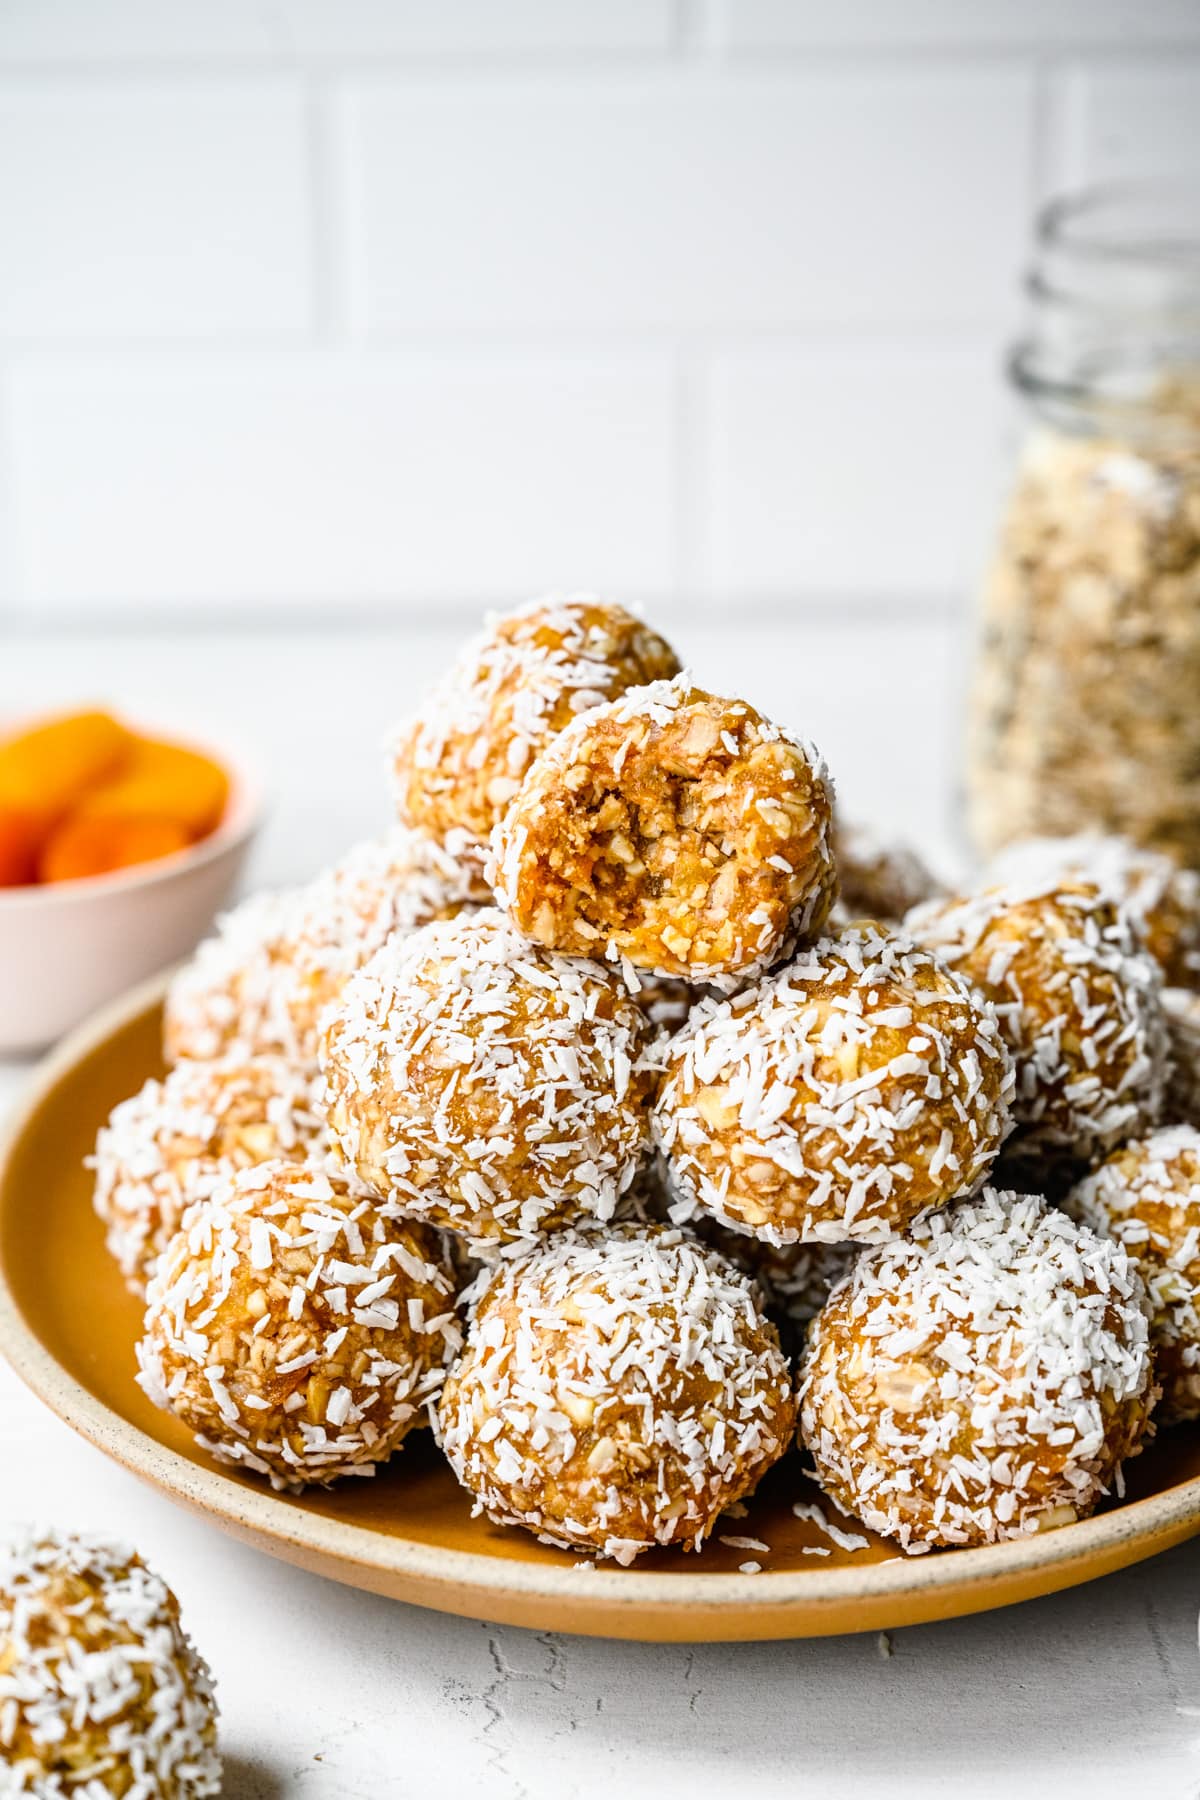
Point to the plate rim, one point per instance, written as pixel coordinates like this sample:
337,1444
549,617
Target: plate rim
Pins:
1145,1525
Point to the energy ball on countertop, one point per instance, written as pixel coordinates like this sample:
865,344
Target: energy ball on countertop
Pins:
486,1086
262,983
101,1691
858,1085
1160,899
297,1330
1080,1010
1147,1197
981,1378
616,1392
672,830
459,762
166,1146
878,880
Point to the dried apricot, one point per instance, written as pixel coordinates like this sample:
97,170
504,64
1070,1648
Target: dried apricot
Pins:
163,781
45,770
83,846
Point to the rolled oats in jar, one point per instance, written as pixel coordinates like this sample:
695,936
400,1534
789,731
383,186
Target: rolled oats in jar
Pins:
1084,711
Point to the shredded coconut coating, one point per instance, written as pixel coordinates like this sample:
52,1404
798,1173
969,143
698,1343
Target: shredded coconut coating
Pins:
1182,1007
858,1085
674,831
102,1695
982,1378
616,1392
486,1086
168,1145
1079,1008
1160,900
878,880
459,762
1147,1197
297,1330
278,960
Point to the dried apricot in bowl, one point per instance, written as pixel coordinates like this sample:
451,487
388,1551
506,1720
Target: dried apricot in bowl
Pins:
160,781
45,769
82,846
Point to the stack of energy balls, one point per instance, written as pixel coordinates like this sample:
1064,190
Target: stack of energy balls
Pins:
579,1116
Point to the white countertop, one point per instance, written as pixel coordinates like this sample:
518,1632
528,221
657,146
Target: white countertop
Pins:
328,1694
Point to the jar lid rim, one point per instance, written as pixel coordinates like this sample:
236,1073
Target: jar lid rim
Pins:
1125,221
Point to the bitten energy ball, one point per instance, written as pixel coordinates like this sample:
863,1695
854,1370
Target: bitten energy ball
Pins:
485,1086
1081,1013
1147,1197
878,880
101,1692
166,1147
616,1392
981,1378
296,1330
858,1085
1160,900
461,760
278,960
671,830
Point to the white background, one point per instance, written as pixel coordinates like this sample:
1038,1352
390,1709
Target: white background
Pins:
398,303
325,322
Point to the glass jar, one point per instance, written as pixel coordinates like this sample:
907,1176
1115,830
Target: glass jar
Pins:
1085,705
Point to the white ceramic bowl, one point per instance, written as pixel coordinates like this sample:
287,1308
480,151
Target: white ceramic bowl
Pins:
68,947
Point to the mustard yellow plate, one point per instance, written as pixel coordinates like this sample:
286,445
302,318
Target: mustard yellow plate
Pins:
68,1327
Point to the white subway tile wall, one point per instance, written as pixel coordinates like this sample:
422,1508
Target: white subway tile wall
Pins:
413,304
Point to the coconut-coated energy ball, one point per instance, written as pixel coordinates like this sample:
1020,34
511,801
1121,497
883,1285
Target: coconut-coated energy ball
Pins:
674,831
1160,899
1080,1010
861,1083
295,1329
278,960
982,1377
165,1147
877,879
616,1392
1147,1197
459,762
101,1692
486,1086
